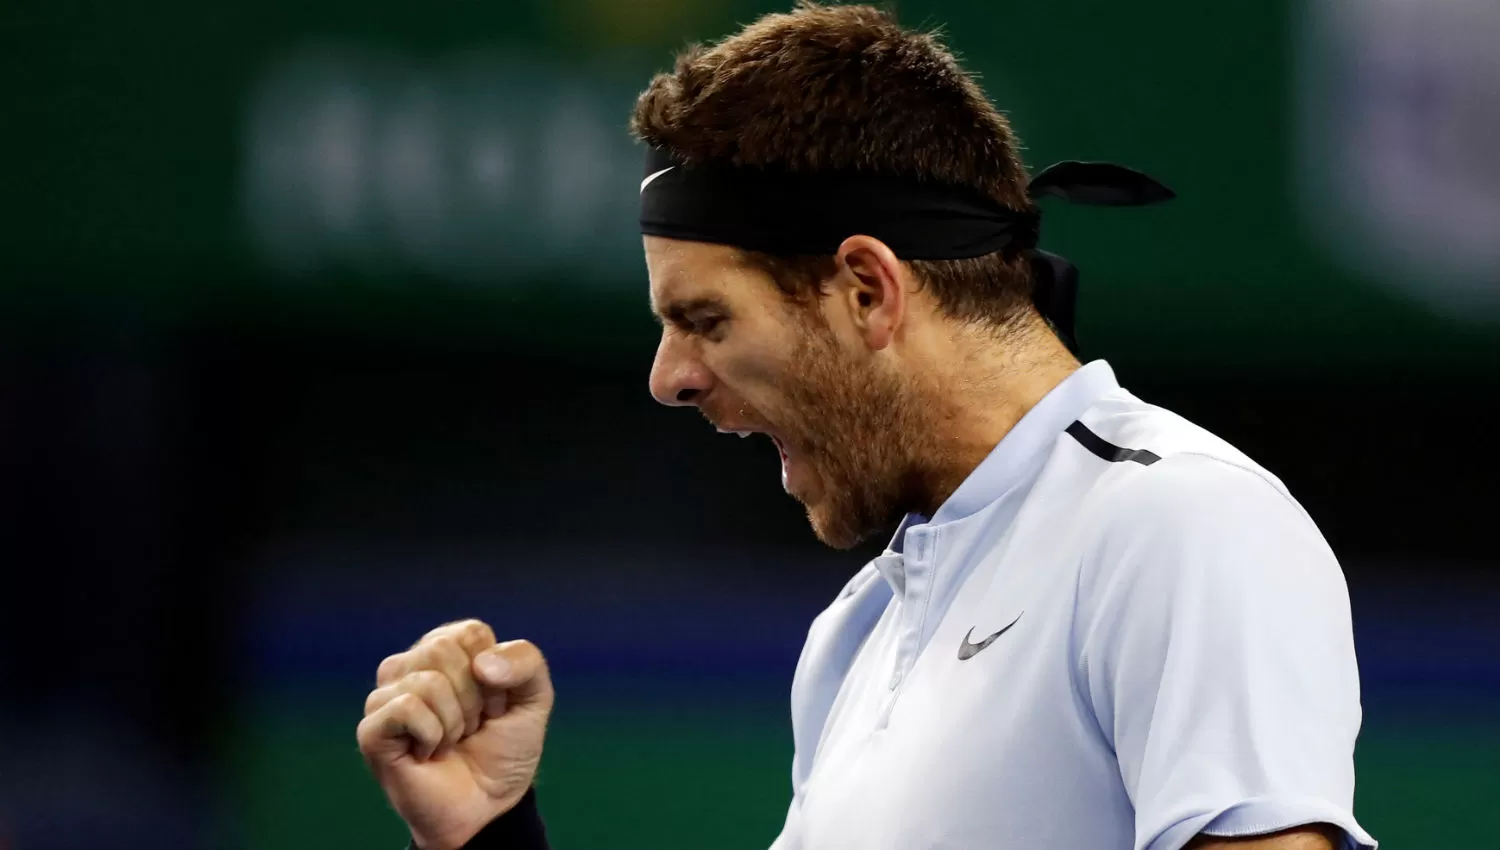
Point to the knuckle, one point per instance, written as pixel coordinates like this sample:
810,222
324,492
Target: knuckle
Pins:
375,700
434,689
456,627
365,735
390,667
427,680
479,631
407,705
430,634
446,648
419,658
373,727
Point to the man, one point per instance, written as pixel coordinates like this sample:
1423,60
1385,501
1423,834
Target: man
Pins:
1096,626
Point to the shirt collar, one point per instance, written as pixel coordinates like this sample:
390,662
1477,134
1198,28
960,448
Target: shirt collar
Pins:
1007,463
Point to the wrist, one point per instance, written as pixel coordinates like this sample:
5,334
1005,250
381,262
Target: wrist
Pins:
519,827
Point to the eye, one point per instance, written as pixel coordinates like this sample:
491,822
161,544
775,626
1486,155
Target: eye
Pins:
709,326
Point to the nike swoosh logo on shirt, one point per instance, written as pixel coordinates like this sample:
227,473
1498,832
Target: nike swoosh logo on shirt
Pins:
967,649
650,177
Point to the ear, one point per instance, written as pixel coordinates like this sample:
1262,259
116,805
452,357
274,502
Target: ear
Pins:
871,293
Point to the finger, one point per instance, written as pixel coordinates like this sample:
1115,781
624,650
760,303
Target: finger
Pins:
434,689
412,684
513,673
404,725
475,636
392,668
444,654
380,696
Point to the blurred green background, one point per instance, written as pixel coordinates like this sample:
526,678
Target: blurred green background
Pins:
324,322
462,168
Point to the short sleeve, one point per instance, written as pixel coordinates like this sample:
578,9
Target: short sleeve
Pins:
1215,646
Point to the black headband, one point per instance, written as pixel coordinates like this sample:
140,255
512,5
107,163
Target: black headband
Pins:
812,214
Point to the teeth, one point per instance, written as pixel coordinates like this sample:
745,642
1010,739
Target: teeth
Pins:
743,434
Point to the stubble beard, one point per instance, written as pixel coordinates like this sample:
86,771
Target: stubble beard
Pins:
863,434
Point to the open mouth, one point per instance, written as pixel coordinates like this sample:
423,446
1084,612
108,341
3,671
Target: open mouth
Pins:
780,446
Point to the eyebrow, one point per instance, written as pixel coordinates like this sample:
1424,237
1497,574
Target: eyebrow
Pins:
681,311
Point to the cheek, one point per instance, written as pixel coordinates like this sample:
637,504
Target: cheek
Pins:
750,373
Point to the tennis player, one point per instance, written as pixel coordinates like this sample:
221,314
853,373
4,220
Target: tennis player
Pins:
1097,625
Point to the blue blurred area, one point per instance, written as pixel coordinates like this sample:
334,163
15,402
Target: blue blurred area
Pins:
735,616
689,613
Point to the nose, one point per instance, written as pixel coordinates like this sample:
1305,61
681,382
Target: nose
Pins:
678,377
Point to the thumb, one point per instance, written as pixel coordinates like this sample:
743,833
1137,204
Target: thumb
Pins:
513,673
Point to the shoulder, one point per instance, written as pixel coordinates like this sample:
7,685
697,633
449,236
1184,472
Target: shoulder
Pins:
1198,549
1198,513
1160,467
1188,491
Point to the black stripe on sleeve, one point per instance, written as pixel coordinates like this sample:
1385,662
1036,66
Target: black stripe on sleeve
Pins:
1107,450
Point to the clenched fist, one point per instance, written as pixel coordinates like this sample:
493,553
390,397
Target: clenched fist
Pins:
453,730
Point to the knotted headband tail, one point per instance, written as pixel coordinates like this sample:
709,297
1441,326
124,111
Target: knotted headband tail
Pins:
1101,184
1054,279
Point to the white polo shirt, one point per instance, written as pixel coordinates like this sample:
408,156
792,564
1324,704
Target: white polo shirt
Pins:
1172,653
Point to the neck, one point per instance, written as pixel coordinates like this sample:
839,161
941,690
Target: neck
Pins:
973,404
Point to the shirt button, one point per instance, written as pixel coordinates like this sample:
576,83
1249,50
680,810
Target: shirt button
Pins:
895,679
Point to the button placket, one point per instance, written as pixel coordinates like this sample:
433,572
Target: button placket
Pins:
917,561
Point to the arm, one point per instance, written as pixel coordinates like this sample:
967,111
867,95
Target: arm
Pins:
1316,837
1216,650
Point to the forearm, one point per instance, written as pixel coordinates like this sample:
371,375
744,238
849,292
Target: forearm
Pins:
1318,836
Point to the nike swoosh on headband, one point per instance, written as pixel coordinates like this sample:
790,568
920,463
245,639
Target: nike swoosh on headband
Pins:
650,177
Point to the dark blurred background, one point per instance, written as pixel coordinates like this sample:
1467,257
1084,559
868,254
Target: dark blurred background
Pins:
324,322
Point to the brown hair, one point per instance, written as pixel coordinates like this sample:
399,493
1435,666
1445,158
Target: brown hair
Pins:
846,88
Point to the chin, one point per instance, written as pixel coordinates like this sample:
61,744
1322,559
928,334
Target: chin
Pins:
835,531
